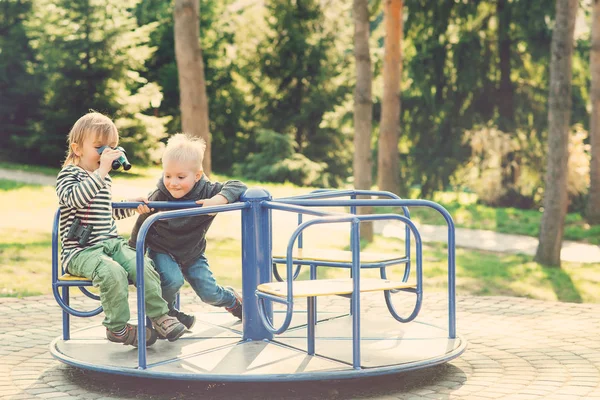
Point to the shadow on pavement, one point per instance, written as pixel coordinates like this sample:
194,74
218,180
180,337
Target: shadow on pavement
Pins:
125,387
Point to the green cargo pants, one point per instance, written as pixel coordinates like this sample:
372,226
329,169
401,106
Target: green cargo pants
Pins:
111,266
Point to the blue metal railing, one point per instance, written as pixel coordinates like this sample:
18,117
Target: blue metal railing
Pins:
355,247
352,193
141,304
406,203
63,298
256,207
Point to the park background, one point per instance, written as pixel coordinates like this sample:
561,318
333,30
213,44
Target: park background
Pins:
304,94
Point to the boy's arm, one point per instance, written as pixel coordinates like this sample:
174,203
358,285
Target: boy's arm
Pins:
121,213
223,193
231,190
74,193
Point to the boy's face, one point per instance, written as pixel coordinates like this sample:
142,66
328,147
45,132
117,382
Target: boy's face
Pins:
179,178
89,159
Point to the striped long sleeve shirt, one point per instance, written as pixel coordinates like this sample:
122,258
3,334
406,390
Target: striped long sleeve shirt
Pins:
88,197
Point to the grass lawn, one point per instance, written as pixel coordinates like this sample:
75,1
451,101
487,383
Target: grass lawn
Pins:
466,213
462,206
25,266
30,168
26,218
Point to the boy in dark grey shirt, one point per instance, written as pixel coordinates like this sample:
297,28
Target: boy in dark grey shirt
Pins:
177,245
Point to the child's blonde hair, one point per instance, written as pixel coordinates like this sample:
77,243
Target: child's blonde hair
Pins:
92,123
185,148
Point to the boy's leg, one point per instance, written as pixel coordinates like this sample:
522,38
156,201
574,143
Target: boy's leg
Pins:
171,277
171,281
111,278
125,256
204,284
156,307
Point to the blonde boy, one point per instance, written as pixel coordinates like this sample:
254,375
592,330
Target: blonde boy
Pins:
177,246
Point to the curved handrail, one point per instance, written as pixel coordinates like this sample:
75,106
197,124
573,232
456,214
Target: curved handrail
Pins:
162,205
303,210
56,284
142,233
88,293
332,193
279,278
406,203
356,265
289,310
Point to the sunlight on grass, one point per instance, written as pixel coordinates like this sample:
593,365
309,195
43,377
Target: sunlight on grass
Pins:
466,213
26,219
487,273
25,265
30,168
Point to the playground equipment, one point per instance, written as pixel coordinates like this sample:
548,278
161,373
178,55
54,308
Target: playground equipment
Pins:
286,344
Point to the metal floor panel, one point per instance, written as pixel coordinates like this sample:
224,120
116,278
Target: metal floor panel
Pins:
213,351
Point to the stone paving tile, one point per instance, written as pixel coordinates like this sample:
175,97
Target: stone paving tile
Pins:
518,349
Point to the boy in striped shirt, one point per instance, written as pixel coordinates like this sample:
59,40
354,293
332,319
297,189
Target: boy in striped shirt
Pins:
83,187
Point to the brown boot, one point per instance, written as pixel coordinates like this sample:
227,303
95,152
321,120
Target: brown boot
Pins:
130,336
168,327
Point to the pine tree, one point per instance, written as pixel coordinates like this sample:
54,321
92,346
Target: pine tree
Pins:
301,79
90,53
20,93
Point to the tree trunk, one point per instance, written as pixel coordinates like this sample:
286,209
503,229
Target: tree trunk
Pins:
506,112
559,115
592,211
363,109
190,68
388,174
506,93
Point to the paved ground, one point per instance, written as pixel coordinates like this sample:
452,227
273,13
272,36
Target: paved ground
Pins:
518,349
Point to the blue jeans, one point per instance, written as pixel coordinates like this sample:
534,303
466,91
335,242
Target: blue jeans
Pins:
199,276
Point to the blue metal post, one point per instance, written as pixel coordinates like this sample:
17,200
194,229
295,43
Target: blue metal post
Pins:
355,299
311,315
66,316
353,211
257,261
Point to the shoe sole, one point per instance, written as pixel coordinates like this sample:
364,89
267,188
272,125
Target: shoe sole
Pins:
192,325
176,334
153,338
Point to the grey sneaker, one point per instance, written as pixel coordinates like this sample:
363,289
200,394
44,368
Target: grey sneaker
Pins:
236,308
168,327
130,337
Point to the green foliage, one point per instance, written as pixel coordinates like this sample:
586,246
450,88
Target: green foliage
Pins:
455,63
277,161
20,92
288,67
484,171
303,76
89,53
227,106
